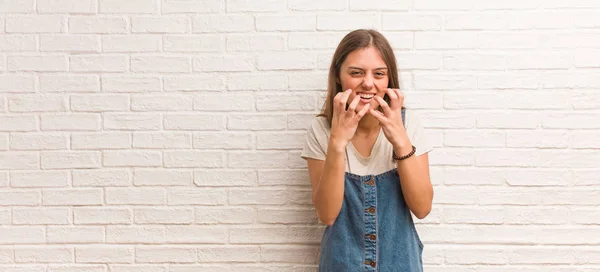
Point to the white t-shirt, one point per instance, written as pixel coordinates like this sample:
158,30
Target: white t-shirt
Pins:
380,160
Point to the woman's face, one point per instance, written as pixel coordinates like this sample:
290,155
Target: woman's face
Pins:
365,72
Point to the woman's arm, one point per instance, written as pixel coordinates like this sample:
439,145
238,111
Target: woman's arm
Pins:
415,181
327,180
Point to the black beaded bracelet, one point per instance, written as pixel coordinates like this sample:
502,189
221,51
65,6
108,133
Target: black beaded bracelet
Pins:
414,149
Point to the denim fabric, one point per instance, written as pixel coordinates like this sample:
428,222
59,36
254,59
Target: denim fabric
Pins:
374,230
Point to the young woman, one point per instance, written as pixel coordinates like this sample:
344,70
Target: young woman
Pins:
368,163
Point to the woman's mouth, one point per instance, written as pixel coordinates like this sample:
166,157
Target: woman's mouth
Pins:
366,97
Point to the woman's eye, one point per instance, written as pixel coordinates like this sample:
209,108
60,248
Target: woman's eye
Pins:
355,73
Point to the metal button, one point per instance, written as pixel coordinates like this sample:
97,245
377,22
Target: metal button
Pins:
372,237
371,210
373,264
370,182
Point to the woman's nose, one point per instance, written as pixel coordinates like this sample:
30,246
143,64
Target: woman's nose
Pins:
367,82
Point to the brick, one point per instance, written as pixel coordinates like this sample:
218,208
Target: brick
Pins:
17,83
411,22
36,24
287,216
162,103
302,81
225,102
288,253
142,267
196,196
225,178
207,254
254,42
193,122
283,177
224,215
512,120
530,61
161,64
223,23
291,60
99,103
75,235
304,5
453,157
67,6
69,83
397,40
164,24
223,63
18,43
93,63
469,138
133,6
483,21
37,103
156,140
530,177
276,102
257,197
48,254
201,82
132,158
252,6
222,140
535,215
38,141
104,254
70,159
448,119
320,40
101,178
277,235
570,121
96,141
538,139
208,159
348,21
254,122
256,82
273,141
162,177
163,215
446,81
70,121
441,5
302,22
70,43
487,215
135,196
22,235
132,121
191,234
585,177
261,159
131,84
163,254
104,215
33,179
41,216
473,176
445,40
125,43
386,5
25,160
97,24
299,121
195,43
507,81
41,63
201,6
20,197
508,40
23,6
584,140
475,62
135,234
65,197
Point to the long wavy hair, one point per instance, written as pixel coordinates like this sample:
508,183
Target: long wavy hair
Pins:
355,40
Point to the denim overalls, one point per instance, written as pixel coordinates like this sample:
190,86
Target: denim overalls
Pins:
374,230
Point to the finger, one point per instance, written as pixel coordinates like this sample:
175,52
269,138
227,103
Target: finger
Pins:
378,115
338,104
400,97
354,103
393,98
363,111
384,105
344,98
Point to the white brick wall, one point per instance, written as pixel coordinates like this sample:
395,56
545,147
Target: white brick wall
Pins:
164,135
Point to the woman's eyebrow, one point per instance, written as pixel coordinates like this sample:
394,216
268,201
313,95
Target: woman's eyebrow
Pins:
354,67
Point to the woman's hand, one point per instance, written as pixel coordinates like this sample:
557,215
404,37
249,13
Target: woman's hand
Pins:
345,122
391,119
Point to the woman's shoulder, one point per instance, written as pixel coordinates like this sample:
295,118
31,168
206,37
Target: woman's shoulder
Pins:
319,123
